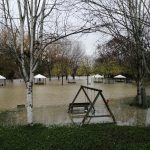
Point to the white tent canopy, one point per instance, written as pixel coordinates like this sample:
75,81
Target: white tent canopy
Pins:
98,76
2,77
119,77
39,79
39,76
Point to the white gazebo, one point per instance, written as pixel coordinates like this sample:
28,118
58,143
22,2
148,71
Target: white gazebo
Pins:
39,79
98,78
2,80
120,78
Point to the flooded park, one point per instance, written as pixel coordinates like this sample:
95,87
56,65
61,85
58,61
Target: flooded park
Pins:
50,103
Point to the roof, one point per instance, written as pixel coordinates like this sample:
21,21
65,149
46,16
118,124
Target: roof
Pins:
1,77
98,76
39,76
119,77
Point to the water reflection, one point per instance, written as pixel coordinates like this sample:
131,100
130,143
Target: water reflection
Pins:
51,103
130,115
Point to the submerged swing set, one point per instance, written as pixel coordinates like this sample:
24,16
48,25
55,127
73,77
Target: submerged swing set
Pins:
88,107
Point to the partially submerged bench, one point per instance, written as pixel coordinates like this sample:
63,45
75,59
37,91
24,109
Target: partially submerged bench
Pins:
73,105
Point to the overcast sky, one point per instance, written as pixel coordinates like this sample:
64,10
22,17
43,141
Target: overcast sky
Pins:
90,41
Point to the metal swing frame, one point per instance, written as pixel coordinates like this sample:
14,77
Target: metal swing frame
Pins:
89,106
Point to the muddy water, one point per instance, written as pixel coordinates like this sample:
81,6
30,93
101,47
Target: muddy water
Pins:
51,103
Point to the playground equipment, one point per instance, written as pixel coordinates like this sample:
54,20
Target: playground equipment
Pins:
88,109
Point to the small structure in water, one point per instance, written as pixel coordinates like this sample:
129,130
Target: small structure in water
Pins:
2,81
98,78
39,79
120,78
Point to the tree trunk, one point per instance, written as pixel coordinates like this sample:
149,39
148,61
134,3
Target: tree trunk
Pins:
62,83
139,95
29,103
66,77
87,79
144,98
73,76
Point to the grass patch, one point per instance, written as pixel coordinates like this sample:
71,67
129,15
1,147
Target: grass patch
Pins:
87,137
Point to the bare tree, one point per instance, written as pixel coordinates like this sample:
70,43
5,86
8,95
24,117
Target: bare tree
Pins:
76,53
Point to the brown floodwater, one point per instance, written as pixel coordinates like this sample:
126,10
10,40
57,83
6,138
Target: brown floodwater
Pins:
51,101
